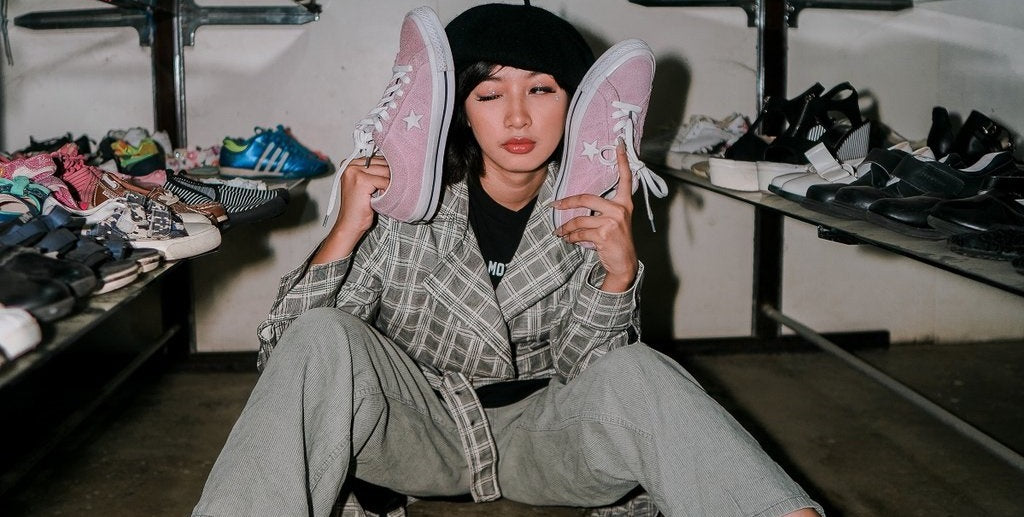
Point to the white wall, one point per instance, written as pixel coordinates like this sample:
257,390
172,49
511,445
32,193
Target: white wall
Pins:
321,77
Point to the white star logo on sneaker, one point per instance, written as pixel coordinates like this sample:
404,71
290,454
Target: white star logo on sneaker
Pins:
413,120
590,150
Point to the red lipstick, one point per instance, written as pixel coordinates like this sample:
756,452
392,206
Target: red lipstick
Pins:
519,145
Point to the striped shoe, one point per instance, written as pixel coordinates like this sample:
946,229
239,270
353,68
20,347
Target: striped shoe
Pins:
272,154
243,205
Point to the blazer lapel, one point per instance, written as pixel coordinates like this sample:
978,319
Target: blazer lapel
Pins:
460,282
543,262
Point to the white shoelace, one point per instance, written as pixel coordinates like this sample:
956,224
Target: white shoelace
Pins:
626,116
362,136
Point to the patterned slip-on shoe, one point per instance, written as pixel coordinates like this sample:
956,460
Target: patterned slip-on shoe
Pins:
610,103
243,199
187,210
243,205
201,161
409,126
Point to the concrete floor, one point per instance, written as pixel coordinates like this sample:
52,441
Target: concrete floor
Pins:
854,446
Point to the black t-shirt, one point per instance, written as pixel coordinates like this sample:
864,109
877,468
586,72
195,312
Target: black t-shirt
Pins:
498,229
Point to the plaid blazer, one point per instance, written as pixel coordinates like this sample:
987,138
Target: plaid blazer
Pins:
426,287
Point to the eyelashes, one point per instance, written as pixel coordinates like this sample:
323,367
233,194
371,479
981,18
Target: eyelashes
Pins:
491,95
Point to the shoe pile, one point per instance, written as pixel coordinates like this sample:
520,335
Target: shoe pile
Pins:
823,154
816,137
970,182
75,224
70,230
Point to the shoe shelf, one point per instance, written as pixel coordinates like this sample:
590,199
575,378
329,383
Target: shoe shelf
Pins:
64,332
995,273
767,319
83,361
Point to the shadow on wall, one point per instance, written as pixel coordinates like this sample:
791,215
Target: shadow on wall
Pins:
250,244
661,285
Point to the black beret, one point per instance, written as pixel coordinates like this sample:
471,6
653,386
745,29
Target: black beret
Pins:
520,36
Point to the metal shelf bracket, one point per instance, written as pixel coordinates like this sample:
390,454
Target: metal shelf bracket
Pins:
167,26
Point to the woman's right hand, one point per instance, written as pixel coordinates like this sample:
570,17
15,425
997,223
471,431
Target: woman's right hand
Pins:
359,182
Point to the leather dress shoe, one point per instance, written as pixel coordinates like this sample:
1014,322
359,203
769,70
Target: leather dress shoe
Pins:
875,171
1000,206
909,215
917,177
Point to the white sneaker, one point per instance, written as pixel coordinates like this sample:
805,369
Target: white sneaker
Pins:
703,136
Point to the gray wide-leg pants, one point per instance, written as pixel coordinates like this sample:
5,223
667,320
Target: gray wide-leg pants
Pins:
339,399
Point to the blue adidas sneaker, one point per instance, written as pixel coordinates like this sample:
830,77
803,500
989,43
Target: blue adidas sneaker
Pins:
270,154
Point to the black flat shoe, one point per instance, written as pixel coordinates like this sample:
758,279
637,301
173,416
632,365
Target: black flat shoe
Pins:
908,216
46,300
79,278
937,179
1000,206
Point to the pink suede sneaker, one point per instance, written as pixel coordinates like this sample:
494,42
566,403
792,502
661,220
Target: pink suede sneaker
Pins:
610,103
410,125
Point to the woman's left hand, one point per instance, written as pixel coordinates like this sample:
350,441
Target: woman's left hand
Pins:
609,228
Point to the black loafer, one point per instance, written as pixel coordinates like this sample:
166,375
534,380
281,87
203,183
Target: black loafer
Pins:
938,179
908,216
1000,206
79,278
46,300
